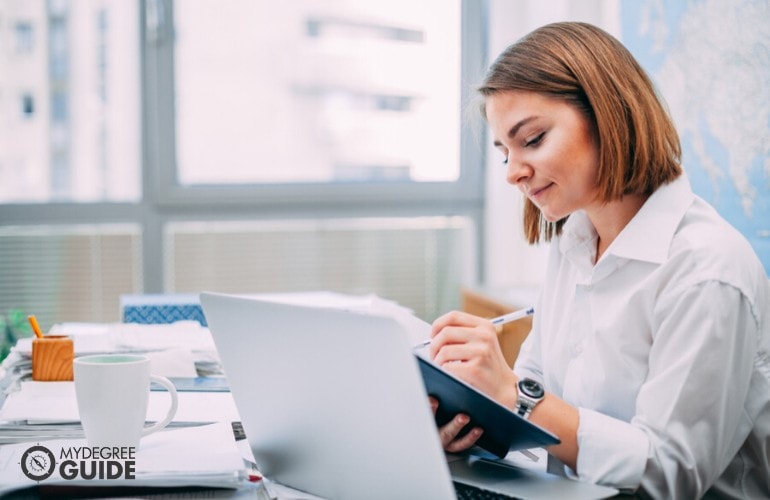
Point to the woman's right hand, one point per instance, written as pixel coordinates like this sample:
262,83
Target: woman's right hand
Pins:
449,431
467,346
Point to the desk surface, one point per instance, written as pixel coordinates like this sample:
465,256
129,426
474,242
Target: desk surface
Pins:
186,454
249,490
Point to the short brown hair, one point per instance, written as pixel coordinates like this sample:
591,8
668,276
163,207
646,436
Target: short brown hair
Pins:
639,147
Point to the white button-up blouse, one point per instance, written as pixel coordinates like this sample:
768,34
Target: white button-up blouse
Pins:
664,347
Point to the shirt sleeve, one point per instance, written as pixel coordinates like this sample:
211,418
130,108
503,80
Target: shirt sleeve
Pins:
690,419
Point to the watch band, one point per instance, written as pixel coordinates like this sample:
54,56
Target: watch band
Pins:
531,392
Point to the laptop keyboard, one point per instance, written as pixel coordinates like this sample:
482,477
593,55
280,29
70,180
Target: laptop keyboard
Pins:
468,492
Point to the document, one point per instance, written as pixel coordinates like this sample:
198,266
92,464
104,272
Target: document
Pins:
205,456
55,402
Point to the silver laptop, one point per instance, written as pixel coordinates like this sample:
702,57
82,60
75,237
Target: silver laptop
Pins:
332,403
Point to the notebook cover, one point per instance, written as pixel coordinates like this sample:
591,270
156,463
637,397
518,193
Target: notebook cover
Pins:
504,430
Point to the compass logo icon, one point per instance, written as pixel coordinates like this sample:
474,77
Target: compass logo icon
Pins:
38,463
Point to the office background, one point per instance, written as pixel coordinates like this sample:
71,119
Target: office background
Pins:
251,146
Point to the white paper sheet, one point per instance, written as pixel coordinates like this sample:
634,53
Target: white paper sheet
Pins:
48,402
195,456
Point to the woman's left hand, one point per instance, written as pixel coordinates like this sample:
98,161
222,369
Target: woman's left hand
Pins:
448,432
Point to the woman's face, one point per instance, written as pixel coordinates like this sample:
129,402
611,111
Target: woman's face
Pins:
550,149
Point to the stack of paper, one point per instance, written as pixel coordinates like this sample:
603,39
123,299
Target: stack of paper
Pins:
182,349
46,410
205,456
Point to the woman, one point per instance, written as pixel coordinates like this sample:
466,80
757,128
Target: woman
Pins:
652,332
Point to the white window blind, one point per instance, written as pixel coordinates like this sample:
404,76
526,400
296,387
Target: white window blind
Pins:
418,262
69,273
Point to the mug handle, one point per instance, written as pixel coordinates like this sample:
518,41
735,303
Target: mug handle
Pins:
166,383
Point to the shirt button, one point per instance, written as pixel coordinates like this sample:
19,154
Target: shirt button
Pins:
589,288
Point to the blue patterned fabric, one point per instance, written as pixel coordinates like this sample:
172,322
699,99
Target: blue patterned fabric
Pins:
156,314
161,308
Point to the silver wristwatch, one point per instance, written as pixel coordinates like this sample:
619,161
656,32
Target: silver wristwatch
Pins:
530,394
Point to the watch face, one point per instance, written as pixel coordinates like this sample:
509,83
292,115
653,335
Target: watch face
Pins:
531,388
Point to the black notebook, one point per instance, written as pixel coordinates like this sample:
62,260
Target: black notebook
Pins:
504,430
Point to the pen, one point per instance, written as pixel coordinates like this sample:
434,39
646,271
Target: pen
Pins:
498,321
507,318
35,327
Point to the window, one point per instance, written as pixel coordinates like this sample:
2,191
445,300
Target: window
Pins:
59,48
356,91
59,107
27,106
238,145
25,37
64,78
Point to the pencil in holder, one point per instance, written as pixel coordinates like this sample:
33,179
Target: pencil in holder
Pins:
52,357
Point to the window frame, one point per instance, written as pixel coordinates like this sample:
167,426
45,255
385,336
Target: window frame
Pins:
163,200
160,137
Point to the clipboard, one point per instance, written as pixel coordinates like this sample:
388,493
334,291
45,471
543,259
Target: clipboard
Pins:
504,430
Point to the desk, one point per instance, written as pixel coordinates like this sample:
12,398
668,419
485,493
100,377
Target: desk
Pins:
199,450
540,480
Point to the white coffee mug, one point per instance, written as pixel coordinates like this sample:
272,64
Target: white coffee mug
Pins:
113,391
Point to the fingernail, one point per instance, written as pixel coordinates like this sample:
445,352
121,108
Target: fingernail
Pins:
462,419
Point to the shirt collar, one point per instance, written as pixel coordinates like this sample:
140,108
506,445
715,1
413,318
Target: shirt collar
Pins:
648,235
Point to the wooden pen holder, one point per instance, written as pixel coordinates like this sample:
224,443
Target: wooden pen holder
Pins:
52,357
